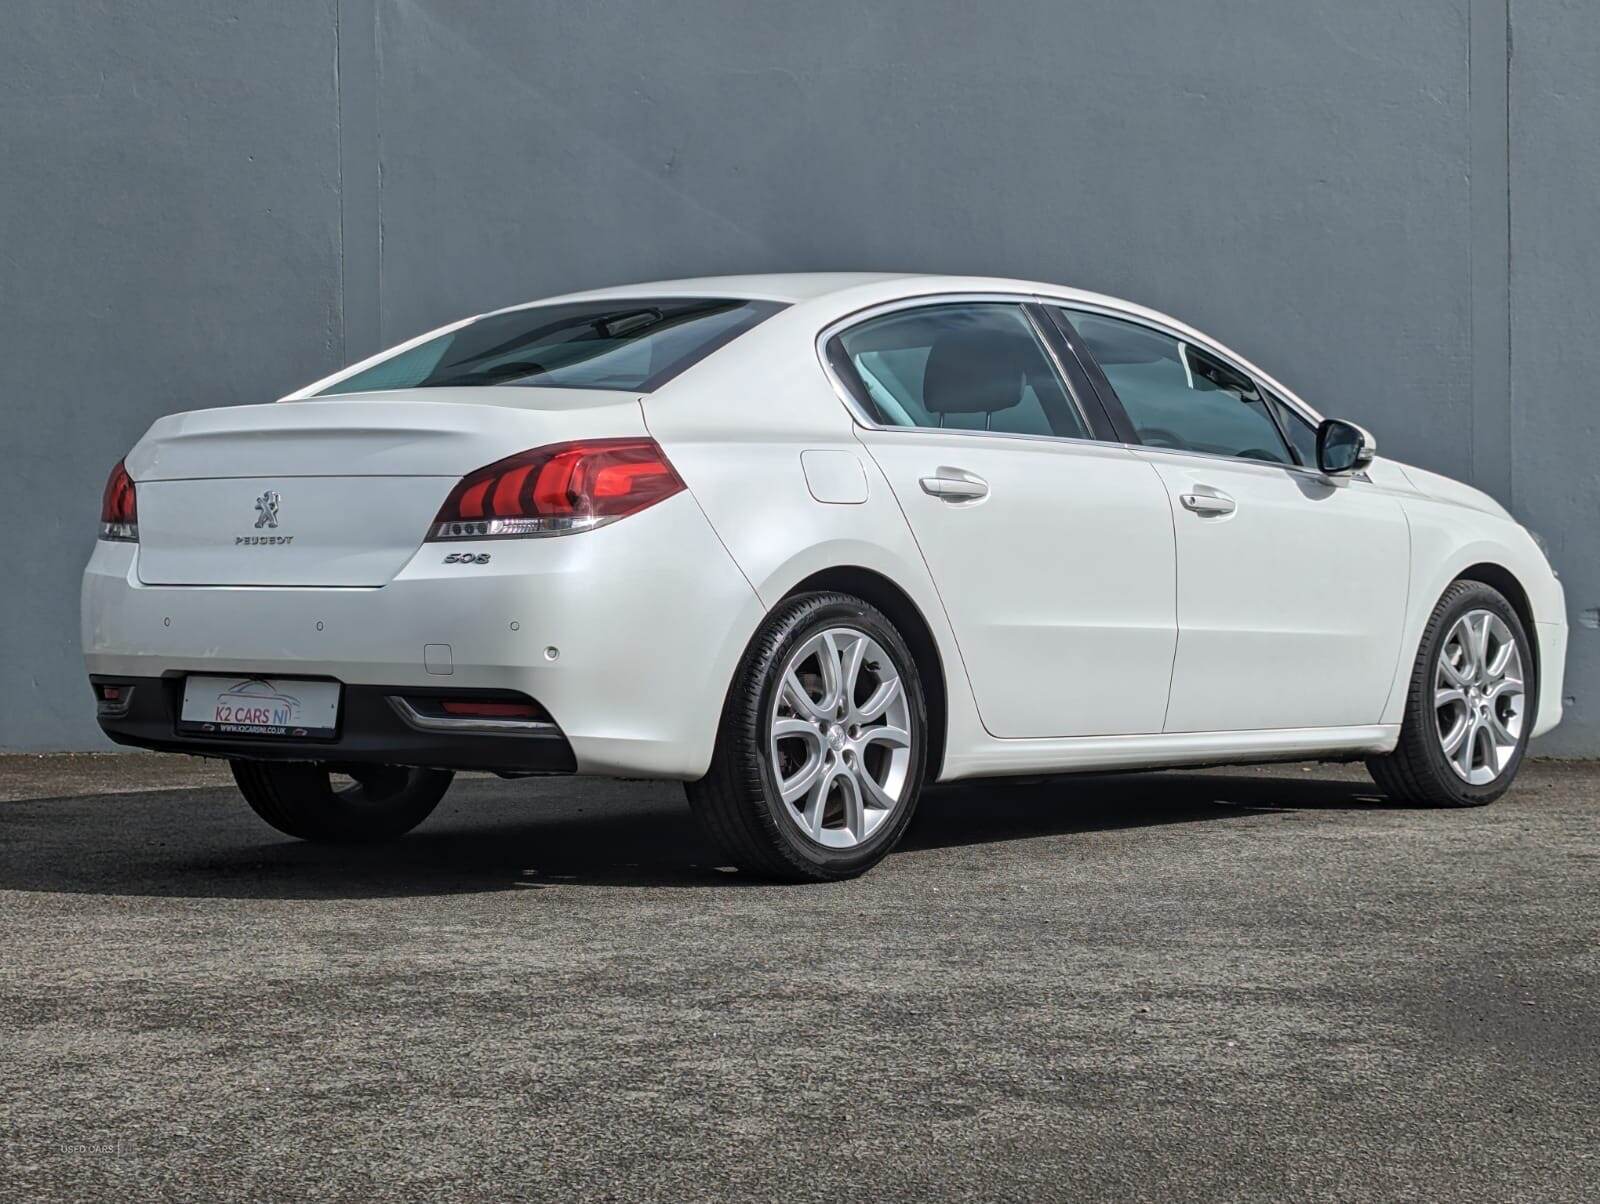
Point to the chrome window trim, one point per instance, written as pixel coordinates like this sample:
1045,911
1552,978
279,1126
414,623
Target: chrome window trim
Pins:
927,301
1298,469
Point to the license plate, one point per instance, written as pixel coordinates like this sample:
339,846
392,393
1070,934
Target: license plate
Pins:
260,706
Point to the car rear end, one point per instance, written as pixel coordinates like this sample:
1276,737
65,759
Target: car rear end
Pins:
501,577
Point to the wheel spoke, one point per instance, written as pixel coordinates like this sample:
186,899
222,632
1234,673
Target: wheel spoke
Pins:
1493,758
875,794
1465,640
1451,741
1510,687
1499,733
1449,696
1469,747
850,671
795,695
876,705
797,729
828,657
1480,644
894,737
802,780
817,802
855,818
1502,657
1449,669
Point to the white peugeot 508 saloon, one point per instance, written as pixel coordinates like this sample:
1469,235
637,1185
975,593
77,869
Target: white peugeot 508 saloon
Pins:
805,543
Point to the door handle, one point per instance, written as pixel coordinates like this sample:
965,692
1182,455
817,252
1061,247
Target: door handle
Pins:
1208,505
954,485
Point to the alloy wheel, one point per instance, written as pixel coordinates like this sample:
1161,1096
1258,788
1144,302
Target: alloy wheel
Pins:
1478,696
840,742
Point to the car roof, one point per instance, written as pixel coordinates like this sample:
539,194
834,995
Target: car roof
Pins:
789,287
851,289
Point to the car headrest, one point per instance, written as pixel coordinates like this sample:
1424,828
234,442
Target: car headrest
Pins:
975,372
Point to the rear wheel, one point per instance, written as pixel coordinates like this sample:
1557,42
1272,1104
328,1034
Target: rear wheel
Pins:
820,754
1469,709
360,804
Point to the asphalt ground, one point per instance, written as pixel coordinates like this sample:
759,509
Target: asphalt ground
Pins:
1233,985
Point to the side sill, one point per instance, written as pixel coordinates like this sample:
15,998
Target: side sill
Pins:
998,758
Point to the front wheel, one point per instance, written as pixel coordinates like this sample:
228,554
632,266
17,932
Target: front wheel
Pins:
1469,708
822,744
302,799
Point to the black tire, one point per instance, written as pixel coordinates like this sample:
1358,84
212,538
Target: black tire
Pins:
738,801
1417,771
300,799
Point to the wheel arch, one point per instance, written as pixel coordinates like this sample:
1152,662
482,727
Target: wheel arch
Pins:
883,593
1499,564
1472,568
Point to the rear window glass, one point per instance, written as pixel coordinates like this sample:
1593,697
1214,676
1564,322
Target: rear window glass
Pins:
633,344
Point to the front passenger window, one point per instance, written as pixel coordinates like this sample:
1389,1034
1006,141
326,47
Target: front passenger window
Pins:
1177,395
976,366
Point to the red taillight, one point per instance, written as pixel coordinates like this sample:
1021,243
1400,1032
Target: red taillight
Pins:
119,510
556,490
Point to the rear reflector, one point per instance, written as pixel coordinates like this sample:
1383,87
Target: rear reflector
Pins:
112,701
557,490
500,711
490,710
119,511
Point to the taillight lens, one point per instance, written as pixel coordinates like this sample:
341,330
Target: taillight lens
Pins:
119,510
557,490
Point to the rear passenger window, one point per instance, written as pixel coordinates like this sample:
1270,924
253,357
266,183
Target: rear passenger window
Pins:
1179,396
976,366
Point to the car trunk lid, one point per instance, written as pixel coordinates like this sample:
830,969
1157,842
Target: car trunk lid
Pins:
336,492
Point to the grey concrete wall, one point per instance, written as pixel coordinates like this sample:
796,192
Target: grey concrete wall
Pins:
1554,428
1390,206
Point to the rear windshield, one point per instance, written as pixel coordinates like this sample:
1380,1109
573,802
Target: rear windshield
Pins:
632,344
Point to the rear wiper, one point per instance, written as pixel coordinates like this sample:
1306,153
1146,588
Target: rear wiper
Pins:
615,326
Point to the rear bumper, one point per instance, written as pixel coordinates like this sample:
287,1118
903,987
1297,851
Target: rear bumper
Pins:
372,730
627,635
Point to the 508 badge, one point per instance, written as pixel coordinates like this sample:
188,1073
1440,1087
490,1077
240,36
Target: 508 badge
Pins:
467,558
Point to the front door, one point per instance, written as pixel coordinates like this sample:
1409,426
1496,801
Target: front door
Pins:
1291,585
1291,596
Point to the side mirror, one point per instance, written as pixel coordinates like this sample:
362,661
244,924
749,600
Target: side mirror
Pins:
1344,447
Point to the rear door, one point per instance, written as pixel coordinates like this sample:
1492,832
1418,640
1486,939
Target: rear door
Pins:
1052,549
1291,585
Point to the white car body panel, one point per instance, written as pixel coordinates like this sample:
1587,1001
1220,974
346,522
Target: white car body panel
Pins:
650,615
1304,581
